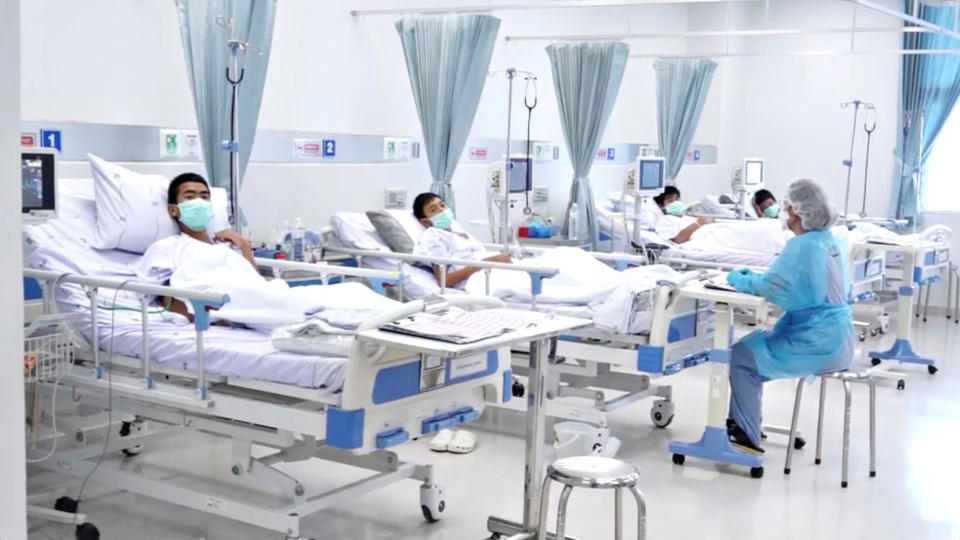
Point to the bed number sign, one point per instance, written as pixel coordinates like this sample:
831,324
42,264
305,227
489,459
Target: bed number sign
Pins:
50,138
329,148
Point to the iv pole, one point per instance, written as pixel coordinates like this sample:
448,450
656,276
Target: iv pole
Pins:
869,129
508,165
234,75
848,163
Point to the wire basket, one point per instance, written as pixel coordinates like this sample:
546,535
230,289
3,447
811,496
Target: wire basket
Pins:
49,345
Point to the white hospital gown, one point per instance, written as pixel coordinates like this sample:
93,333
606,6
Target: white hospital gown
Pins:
650,214
180,251
668,227
254,301
453,244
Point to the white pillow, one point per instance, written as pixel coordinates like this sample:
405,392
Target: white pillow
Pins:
132,207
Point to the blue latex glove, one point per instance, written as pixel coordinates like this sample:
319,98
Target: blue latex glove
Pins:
740,279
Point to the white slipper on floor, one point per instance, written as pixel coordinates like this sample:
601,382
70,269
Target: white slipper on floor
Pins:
463,442
442,441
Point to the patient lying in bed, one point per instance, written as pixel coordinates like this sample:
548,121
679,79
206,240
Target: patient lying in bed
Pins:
192,260
445,238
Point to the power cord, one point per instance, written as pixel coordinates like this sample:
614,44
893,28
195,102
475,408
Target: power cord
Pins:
106,440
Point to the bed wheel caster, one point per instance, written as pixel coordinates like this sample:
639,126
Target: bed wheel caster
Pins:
125,429
66,504
661,414
756,472
678,459
799,443
901,384
862,337
874,332
432,502
874,361
932,370
87,531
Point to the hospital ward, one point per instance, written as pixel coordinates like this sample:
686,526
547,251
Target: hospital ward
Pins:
480,269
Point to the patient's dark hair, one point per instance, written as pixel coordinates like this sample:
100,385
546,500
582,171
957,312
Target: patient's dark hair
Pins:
421,201
175,184
669,190
761,197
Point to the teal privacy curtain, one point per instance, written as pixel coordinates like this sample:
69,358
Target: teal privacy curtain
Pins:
682,87
206,54
931,86
447,58
586,77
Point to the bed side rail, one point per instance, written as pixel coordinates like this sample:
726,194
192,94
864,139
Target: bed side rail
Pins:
203,302
620,260
536,273
379,279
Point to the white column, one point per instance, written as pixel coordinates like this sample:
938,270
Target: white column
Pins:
13,523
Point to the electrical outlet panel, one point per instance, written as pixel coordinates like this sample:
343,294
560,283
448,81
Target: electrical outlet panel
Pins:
396,198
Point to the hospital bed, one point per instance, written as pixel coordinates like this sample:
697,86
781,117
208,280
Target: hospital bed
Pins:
147,378
664,333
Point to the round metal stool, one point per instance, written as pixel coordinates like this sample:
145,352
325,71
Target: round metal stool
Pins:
594,473
846,377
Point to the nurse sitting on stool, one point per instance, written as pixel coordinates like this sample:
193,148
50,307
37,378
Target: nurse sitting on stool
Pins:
810,281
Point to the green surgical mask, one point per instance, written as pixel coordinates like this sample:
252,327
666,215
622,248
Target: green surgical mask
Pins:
195,214
443,220
772,211
675,208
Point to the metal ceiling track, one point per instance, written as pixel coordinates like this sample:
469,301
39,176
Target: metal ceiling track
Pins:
910,19
535,5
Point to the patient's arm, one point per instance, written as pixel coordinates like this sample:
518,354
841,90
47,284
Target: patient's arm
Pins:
456,277
685,234
228,235
176,306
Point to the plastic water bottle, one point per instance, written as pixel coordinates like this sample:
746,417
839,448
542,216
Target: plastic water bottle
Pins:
574,222
297,238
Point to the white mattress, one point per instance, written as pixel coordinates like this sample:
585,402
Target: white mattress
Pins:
232,352
63,245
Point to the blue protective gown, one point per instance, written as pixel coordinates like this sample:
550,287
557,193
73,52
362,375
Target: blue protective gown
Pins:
810,281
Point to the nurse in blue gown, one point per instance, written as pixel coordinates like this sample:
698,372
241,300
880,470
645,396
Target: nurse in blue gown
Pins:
810,282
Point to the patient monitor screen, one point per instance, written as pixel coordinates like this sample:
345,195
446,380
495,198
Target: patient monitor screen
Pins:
37,183
753,173
651,174
518,175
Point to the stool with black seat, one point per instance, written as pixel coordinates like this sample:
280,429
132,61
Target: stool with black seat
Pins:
847,377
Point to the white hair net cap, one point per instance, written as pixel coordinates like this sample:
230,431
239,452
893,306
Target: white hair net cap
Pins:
810,204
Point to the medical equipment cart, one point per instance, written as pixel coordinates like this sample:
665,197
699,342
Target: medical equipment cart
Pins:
715,444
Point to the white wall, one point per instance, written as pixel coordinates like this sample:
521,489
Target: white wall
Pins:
13,523
328,72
